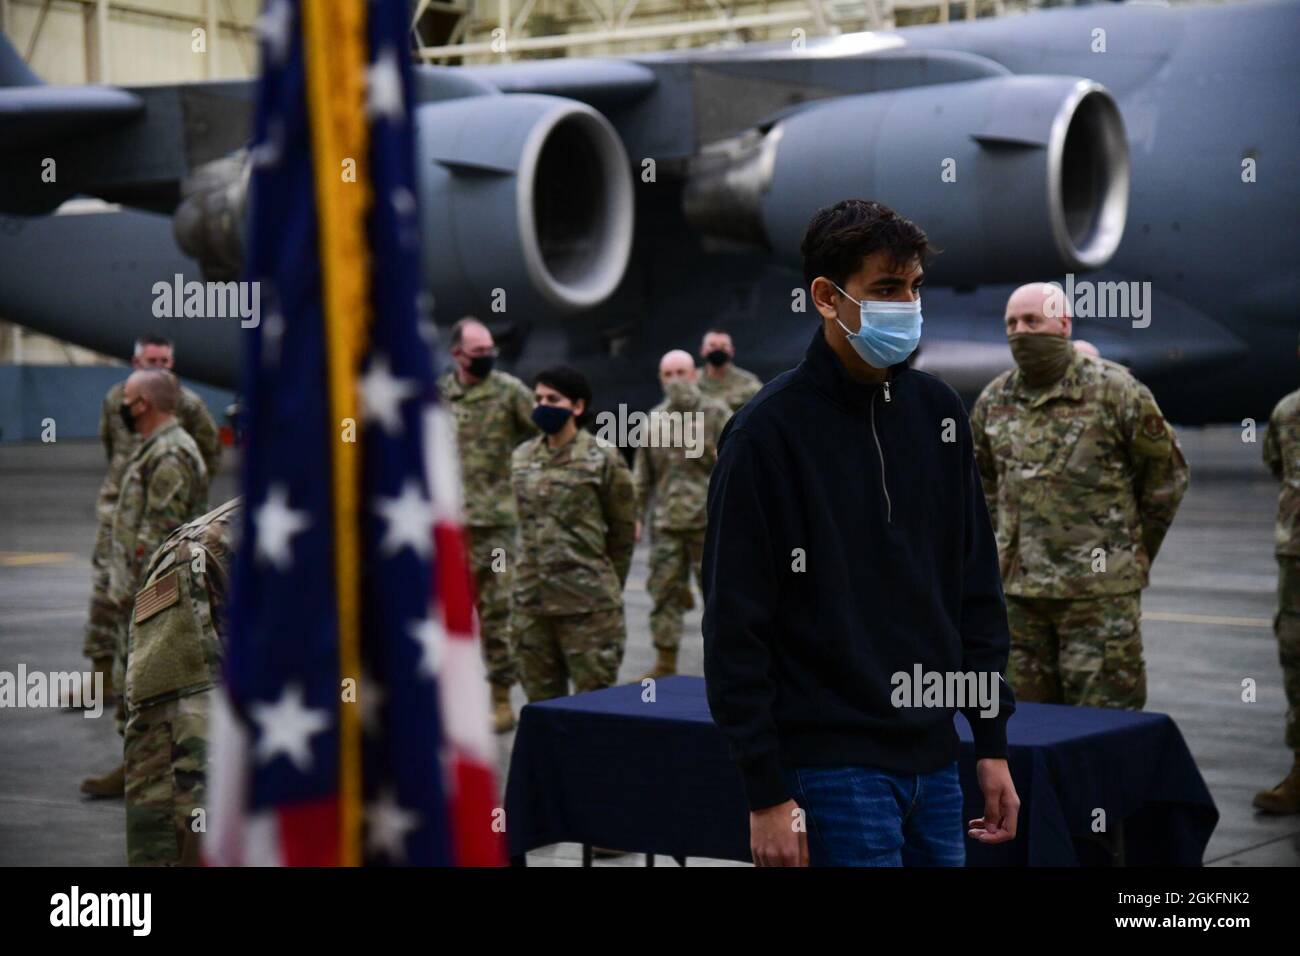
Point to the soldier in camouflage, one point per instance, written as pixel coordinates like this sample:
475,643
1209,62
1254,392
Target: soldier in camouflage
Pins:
577,532
151,351
676,475
722,379
174,653
1083,476
1282,455
164,484
493,413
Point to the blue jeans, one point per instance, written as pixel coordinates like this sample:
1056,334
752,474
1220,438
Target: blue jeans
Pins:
859,816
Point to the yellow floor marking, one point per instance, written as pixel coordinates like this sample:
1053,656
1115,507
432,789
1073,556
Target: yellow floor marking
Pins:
1207,619
19,559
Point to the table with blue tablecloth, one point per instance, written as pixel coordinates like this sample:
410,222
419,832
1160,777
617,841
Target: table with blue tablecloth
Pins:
614,768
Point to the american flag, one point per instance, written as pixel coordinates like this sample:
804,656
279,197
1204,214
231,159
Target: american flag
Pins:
353,727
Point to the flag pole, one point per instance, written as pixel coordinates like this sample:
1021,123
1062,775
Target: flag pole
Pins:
335,58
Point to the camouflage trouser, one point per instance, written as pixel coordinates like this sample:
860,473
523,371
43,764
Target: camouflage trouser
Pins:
493,578
1286,625
674,557
102,623
587,648
166,777
1083,651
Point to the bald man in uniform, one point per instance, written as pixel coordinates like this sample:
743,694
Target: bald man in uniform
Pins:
675,477
102,625
165,484
493,412
1083,476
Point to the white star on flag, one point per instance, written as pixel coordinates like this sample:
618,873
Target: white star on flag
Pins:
410,521
403,201
270,151
272,336
428,634
275,27
382,395
276,523
387,824
287,727
384,82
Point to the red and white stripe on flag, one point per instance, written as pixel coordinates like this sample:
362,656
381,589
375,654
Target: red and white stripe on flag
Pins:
476,818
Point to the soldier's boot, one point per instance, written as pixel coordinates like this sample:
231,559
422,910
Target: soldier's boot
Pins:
503,718
190,852
665,665
111,784
1285,797
100,665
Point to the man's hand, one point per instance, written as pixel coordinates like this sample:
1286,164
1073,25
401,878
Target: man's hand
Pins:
773,837
1001,804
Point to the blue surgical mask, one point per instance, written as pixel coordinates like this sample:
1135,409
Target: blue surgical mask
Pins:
889,332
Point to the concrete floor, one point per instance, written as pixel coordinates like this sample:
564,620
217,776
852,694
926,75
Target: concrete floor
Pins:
1207,627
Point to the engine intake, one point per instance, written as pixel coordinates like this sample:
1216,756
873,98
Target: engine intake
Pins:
524,193
1010,176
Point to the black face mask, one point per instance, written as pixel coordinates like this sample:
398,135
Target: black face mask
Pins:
127,418
551,418
480,366
718,358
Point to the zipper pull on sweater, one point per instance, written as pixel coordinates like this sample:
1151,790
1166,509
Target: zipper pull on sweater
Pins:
886,389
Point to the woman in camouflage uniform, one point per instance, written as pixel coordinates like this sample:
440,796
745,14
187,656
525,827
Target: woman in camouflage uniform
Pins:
577,532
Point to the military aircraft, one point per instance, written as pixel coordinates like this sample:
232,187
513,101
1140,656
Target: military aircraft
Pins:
600,211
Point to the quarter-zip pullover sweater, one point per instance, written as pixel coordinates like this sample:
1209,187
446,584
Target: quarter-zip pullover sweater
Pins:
848,542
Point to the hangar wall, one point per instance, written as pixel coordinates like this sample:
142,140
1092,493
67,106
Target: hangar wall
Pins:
134,42
34,396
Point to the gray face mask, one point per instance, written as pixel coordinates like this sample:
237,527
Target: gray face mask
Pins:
1042,356
682,394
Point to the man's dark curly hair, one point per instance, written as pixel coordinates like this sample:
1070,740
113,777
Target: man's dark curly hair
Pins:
839,237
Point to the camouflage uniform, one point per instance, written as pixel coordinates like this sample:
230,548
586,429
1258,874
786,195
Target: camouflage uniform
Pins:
734,388
577,533
119,443
679,486
164,485
174,657
492,418
1083,478
1282,455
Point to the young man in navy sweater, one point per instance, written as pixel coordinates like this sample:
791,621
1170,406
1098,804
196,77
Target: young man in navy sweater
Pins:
853,600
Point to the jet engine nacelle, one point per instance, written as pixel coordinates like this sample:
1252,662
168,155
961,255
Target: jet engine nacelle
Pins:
521,194
1011,176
